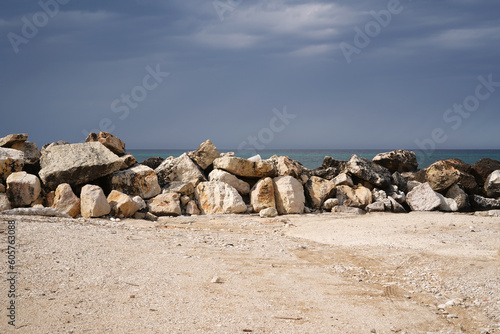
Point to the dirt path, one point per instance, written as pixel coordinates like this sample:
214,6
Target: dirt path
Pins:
243,274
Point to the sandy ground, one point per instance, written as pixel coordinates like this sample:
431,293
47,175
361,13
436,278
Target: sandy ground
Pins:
329,273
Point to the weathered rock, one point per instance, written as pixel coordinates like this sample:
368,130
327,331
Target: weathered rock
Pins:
116,145
412,185
262,195
289,195
138,180
36,211
56,143
23,188
461,198
245,168
364,196
399,196
217,197
444,173
366,170
447,204
205,154
15,141
317,190
4,203
76,164
330,203
330,162
395,206
359,197
349,210
376,207
397,161
122,205
128,160
268,213
223,176
423,198
480,203
185,200
492,184
153,162
325,173
11,161
343,179
179,169
378,195
192,208
66,201
400,182
93,201
141,204
183,188
483,168
165,205
288,167
31,154
347,196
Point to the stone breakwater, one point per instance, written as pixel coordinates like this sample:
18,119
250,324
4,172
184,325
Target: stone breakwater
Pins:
98,178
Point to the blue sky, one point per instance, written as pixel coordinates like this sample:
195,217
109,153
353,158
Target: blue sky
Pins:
70,67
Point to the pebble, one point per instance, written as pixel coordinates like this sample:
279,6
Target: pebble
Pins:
452,316
216,279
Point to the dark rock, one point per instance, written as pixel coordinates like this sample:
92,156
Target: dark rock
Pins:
400,182
366,170
460,196
153,162
397,161
56,143
329,162
444,173
483,168
480,203
329,173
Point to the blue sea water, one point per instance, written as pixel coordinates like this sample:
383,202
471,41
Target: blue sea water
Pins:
313,158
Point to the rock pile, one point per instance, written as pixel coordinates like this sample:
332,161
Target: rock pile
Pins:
98,178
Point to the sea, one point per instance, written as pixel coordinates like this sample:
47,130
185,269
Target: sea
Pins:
313,158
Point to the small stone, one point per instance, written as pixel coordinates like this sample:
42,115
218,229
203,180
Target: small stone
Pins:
268,213
216,279
452,316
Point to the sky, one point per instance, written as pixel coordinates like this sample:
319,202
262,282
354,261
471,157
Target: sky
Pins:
254,74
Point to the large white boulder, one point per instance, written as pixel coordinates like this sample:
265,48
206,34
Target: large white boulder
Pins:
217,197
223,176
289,195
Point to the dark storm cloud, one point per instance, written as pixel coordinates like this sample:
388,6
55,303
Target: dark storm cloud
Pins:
226,76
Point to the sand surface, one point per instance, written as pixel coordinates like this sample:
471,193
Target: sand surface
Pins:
329,273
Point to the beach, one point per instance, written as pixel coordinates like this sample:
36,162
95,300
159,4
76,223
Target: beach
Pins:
424,272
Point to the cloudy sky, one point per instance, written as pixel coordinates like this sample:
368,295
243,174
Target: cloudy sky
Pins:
273,74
